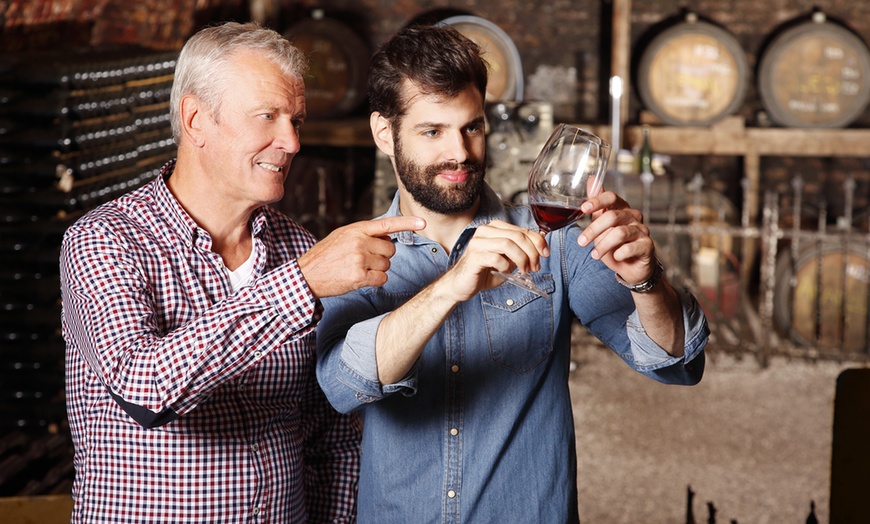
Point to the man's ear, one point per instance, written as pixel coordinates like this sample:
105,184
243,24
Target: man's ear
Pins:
192,115
382,132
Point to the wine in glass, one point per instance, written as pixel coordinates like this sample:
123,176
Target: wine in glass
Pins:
568,171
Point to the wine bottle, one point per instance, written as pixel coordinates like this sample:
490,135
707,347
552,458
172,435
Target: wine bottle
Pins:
645,153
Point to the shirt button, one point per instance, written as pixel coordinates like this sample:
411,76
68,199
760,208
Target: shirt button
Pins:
241,387
257,354
454,368
454,431
255,448
434,250
509,301
451,494
257,510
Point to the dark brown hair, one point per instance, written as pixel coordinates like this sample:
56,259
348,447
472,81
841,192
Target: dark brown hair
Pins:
438,60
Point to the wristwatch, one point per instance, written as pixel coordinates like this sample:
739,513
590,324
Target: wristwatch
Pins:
647,284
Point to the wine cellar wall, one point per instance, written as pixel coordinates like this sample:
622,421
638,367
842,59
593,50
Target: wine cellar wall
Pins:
80,128
68,143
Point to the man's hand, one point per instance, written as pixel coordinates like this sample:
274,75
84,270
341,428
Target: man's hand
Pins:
623,242
621,239
496,246
354,256
404,333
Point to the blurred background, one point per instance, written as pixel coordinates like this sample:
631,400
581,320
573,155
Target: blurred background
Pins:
740,128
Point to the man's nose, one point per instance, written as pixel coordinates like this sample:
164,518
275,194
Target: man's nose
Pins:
456,148
287,137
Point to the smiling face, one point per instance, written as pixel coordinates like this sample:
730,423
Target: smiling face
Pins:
439,150
251,138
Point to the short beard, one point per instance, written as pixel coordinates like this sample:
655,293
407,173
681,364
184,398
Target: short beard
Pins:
419,181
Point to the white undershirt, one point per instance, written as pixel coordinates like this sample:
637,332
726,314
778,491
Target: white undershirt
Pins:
242,275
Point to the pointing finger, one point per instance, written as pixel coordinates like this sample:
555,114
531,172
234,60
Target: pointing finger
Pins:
385,226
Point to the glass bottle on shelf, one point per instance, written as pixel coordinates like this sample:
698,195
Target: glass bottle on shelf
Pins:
646,155
646,172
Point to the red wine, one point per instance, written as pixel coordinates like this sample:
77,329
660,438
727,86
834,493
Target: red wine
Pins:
551,217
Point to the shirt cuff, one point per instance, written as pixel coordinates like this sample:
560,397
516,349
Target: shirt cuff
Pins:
286,289
649,356
359,366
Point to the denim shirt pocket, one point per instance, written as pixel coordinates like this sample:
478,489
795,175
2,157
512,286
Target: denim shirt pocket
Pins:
519,323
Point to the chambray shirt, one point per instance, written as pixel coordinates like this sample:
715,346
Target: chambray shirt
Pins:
481,430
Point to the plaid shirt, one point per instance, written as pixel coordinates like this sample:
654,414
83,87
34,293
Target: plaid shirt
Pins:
189,403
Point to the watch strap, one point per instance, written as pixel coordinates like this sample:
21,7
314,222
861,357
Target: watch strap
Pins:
646,285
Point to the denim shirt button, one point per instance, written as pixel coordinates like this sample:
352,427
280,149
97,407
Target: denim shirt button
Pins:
451,494
434,250
509,301
454,368
454,431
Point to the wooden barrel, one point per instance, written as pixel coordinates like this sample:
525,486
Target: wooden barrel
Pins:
693,74
335,85
505,68
815,74
821,297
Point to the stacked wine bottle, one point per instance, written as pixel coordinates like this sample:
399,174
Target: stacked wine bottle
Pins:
77,128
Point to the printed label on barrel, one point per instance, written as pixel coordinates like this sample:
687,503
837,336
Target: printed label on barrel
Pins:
692,74
815,75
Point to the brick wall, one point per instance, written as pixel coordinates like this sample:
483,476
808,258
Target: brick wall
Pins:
553,35
565,38
158,24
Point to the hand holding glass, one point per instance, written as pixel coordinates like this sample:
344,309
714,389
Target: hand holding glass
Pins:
568,171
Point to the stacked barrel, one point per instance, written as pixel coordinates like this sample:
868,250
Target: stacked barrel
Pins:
76,129
813,73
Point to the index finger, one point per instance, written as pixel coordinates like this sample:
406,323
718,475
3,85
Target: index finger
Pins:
605,200
387,225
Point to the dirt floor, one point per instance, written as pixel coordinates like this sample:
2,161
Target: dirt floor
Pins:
755,442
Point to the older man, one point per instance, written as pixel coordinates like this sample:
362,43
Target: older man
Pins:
189,309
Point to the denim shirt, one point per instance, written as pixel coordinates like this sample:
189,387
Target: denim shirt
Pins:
481,429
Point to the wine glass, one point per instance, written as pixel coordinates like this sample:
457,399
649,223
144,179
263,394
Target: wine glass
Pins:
569,170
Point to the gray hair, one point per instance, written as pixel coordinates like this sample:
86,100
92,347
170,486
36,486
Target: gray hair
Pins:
203,59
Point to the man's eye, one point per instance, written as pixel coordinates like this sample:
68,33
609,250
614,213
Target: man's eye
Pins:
431,133
267,116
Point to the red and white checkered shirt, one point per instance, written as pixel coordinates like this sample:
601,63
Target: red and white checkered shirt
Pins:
187,402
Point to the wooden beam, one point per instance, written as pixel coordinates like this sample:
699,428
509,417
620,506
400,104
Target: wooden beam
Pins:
809,142
620,52
730,138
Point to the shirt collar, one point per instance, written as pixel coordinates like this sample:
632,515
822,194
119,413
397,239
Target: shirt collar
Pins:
183,223
491,208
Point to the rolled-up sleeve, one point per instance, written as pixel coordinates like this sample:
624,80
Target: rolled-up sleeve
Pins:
651,359
608,311
347,367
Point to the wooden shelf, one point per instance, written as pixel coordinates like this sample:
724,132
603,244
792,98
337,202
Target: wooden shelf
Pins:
731,137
